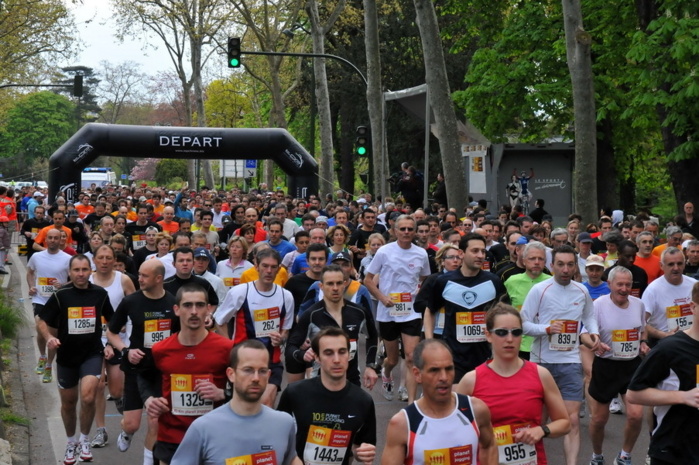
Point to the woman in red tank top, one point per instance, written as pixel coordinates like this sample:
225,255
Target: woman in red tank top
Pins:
515,391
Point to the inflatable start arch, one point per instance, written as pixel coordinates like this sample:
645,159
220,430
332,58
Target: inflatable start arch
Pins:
117,140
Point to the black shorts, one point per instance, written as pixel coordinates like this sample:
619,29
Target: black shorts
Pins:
391,330
294,367
164,451
611,377
277,375
68,377
131,395
37,309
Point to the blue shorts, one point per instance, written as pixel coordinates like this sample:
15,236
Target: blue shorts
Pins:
568,378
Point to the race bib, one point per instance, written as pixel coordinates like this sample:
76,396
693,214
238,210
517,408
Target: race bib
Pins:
82,320
155,331
261,458
461,455
325,445
104,326
626,343
185,400
138,241
440,319
266,321
402,304
567,339
230,282
46,286
511,452
470,326
353,349
679,317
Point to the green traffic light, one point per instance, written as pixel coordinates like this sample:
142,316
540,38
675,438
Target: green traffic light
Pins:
235,62
361,150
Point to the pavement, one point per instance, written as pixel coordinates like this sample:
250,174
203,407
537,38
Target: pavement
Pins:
43,441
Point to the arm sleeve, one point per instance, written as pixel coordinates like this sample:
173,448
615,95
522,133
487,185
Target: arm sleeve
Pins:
589,317
530,310
289,316
290,454
230,305
367,433
297,336
372,338
654,369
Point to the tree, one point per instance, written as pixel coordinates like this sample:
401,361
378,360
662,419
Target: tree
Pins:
442,104
374,92
36,126
122,85
187,30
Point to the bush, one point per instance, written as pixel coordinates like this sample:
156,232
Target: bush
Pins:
11,317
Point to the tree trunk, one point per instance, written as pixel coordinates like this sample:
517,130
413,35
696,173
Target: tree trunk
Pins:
345,172
607,183
318,32
580,67
374,95
199,102
442,105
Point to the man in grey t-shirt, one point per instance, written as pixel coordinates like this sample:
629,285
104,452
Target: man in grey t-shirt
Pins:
243,429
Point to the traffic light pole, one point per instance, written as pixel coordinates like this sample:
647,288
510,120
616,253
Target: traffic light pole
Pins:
311,55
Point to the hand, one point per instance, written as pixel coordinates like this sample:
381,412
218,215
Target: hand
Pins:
365,453
529,436
108,352
156,406
276,338
602,348
32,291
306,344
556,327
135,356
208,390
53,343
644,348
370,378
309,356
595,343
691,398
387,301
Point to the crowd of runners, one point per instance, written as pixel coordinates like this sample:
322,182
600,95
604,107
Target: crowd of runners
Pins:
234,321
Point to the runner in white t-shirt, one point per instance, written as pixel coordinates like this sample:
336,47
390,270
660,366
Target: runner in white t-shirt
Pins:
401,267
667,299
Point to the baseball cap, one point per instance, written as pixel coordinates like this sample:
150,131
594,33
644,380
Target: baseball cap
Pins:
201,252
394,215
73,213
38,194
322,219
341,256
167,201
361,200
142,199
584,237
594,260
524,240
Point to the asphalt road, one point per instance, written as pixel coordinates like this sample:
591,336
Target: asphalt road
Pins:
47,437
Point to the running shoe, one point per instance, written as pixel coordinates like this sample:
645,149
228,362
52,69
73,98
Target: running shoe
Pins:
599,460
403,394
387,385
619,461
39,370
69,459
101,439
123,441
85,452
48,375
615,406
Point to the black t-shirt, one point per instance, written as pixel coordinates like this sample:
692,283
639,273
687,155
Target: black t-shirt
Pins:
506,271
360,237
140,255
298,285
161,318
77,315
350,409
355,320
93,221
672,365
33,226
77,233
457,294
499,252
172,285
638,276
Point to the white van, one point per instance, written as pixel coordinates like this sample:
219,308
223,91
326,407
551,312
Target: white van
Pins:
100,176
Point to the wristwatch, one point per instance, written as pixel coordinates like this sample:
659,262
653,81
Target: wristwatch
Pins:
546,430
374,366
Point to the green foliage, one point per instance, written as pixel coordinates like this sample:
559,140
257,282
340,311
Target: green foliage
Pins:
11,317
168,169
34,128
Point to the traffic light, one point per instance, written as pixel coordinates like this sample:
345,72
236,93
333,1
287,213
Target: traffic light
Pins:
78,85
362,142
234,52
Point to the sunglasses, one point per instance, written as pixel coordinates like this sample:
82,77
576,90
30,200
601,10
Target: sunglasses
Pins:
406,229
502,332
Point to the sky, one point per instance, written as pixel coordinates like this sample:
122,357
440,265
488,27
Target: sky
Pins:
95,27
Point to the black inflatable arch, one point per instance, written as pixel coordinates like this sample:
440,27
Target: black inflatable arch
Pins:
94,140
